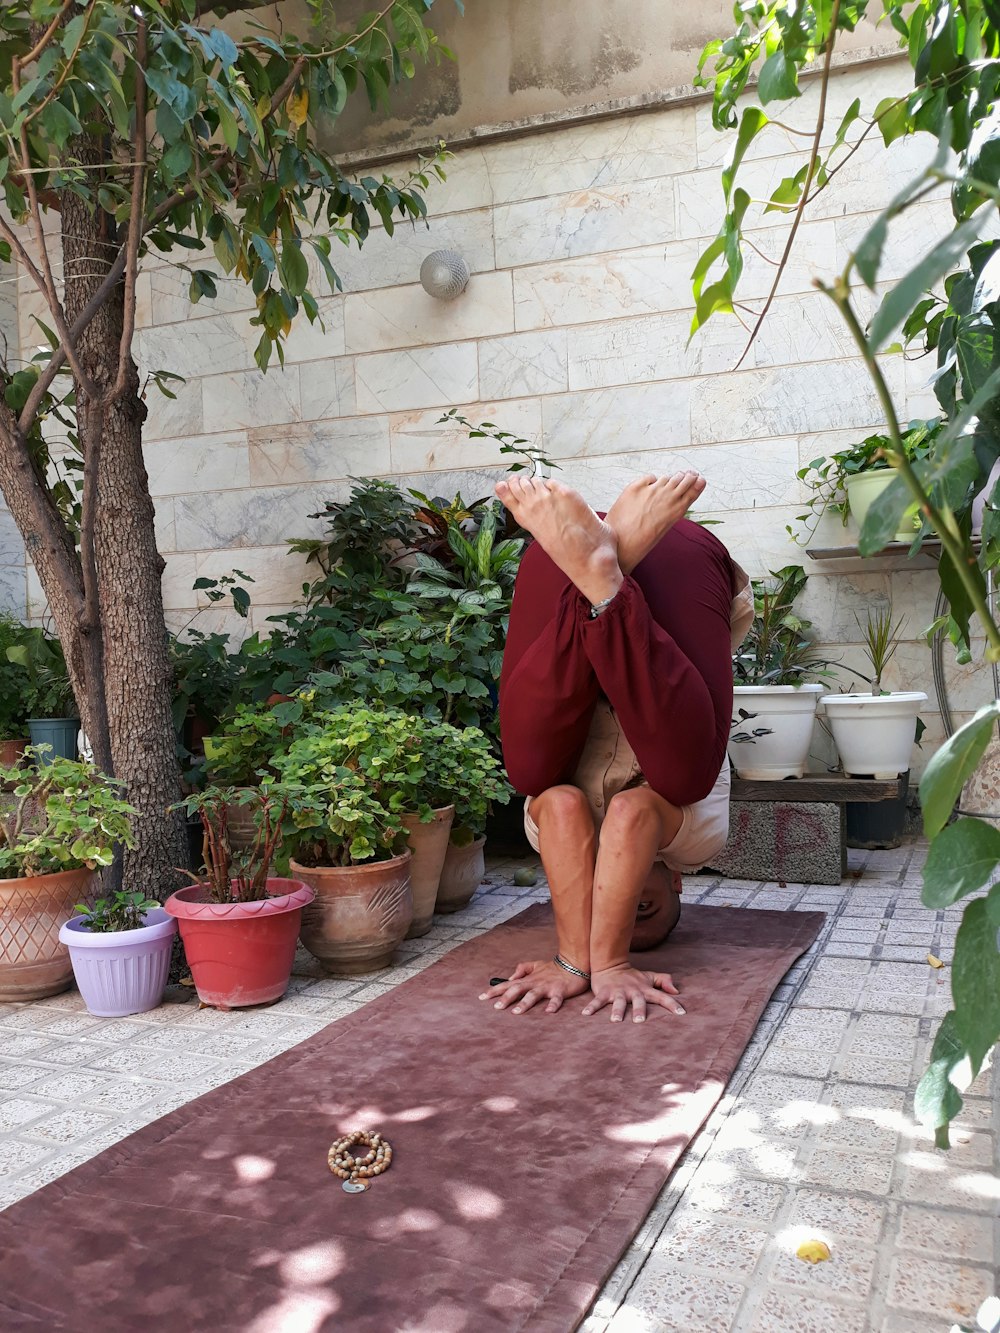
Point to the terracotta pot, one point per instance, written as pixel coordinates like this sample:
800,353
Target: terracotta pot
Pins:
12,752
429,845
240,954
464,869
360,914
33,963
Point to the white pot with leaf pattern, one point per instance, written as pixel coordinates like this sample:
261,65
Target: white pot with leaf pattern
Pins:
772,729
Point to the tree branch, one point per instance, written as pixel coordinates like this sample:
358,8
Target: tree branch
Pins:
134,237
810,172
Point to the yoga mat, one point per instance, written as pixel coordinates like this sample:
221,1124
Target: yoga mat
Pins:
528,1150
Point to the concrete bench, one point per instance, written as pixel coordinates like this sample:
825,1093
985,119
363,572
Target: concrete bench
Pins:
795,831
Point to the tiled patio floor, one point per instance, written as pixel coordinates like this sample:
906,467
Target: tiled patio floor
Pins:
813,1140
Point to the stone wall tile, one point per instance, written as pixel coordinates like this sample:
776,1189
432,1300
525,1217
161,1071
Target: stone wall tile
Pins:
594,156
319,451
605,287
788,400
210,620
206,463
178,581
650,347
182,415
737,477
392,261
421,443
11,543
614,218
327,389
37,601
756,538
443,375
408,317
867,182
523,364
312,342
14,590
277,574
252,398
164,524
170,293
208,346
263,516
608,421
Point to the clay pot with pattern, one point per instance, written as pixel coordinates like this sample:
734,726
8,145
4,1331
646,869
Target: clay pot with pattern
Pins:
360,914
429,844
464,870
33,909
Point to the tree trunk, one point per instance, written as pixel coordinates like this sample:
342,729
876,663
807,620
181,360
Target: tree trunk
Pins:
136,664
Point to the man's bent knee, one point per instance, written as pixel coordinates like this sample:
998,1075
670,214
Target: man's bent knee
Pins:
633,812
563,805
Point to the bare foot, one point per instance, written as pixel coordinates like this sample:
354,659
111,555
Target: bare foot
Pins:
647,509
568,531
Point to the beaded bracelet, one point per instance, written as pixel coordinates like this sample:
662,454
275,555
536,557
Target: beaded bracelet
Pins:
355,1171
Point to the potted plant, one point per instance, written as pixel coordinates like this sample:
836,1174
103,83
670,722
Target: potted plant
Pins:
774,703
49,701
475,780
61,822
239,756
875,732
363,767
849,482
120,951
14,738
239,924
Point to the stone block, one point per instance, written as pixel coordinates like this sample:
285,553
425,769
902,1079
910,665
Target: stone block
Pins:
797,843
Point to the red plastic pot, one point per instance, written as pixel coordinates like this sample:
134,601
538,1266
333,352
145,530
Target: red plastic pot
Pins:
241,954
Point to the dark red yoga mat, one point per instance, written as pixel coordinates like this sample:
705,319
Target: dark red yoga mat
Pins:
528,1150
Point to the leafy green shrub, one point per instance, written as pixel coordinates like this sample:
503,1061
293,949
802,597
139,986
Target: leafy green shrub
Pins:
245,750
47,692
777,650
65,815
123,910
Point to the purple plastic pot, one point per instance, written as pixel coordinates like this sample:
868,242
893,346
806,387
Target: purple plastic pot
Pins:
121,972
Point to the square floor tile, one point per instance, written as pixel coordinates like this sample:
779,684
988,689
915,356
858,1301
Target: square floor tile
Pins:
950,1291
791,1312
67,1126
678,1301
722,1248
841,1215
936,1232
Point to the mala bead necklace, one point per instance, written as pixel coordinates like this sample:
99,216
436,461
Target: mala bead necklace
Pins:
355,1172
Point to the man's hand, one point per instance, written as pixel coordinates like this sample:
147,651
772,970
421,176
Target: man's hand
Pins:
530,983
623,985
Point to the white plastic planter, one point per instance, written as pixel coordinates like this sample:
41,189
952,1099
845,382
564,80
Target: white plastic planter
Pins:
874,732
864,488
772,729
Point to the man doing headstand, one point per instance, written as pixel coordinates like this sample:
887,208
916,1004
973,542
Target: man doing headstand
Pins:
615,707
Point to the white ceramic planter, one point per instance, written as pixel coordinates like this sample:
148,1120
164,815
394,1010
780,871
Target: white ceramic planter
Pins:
772,729
863,490
874,733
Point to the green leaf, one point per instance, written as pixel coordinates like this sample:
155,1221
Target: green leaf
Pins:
975,981
778,79
293,268
937,1099
893,117
952,765
905,294
751,124
962,858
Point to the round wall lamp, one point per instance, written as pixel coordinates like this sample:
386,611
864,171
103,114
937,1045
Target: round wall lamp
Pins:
444,275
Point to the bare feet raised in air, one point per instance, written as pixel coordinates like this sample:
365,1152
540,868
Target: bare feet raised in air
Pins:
568,531
647,509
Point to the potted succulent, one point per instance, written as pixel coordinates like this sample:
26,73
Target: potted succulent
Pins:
363,765
49,701
120,950
239,923
875,732
61,822
849,482
774,702
476,781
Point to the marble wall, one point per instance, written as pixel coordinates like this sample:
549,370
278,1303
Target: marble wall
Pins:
573,332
